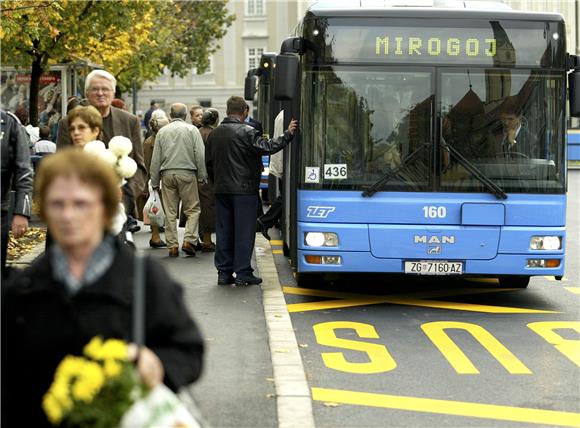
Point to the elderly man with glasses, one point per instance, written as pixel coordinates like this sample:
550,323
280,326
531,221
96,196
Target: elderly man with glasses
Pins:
100,91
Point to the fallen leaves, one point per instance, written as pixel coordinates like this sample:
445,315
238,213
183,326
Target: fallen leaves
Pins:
18,248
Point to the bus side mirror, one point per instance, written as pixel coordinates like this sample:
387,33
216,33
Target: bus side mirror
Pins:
286,76
250,87
574,88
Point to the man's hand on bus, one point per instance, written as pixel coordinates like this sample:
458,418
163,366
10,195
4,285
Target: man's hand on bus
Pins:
293,126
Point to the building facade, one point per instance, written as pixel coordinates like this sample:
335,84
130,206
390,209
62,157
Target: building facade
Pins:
260,26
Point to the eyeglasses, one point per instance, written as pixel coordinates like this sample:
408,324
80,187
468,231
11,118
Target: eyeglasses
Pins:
80,128
104,90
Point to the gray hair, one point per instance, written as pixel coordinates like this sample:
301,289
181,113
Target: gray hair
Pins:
100,73
178,111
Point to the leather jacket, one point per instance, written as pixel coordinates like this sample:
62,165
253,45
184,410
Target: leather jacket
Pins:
233,156
16,167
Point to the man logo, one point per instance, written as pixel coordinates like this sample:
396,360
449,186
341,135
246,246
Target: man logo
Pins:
319,212
433,239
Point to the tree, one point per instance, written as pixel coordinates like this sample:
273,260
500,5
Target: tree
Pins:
133,39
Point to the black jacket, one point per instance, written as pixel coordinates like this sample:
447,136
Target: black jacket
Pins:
233,156
41,324
16,166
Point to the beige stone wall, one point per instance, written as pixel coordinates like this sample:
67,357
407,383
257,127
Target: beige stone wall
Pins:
565,7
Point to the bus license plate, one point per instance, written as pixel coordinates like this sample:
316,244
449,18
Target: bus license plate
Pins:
434,267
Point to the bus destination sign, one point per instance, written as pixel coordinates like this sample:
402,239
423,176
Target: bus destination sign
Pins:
435,46
489,44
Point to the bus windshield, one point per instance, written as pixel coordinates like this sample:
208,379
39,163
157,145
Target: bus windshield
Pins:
365,121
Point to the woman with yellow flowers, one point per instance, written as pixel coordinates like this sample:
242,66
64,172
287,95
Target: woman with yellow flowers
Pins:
82,287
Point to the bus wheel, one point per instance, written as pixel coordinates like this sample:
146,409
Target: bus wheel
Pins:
308,279
514,281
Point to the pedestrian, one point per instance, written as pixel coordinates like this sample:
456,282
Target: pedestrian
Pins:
209,121
233,154
44,146
84,124
119,103
276,169
156,123
147,118
82,287
100,88
196,112
17,176
178,163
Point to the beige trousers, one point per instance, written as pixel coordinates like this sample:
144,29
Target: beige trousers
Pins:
180,187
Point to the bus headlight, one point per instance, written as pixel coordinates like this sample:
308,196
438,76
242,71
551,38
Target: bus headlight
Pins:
321,239
546,243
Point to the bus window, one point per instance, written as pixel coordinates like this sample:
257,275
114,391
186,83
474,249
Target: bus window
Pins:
368,121
505,123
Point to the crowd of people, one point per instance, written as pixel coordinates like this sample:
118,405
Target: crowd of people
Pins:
81,286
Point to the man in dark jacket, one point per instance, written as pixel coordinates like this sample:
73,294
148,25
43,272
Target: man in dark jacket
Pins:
233,156
17,176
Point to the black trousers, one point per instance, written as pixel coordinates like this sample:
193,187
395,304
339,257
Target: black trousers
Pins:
274,213
235,233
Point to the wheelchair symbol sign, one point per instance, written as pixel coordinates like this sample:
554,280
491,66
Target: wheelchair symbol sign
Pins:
312,174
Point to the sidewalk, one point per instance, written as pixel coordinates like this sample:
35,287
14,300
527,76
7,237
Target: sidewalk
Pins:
237,385
253,374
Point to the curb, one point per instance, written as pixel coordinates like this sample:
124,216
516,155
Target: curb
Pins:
294,401
27,259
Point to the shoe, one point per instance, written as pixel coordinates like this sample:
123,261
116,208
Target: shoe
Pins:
198,246
134,228
159,244
262,227
248,280
225,279
174,252
208,248
188,249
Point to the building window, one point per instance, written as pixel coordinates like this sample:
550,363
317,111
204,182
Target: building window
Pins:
255,7
209,69
254,56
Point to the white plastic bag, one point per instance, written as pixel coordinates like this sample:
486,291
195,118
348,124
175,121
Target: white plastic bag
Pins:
154,209
159,408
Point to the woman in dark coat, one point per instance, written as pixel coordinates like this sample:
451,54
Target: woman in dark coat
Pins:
83,287
209,121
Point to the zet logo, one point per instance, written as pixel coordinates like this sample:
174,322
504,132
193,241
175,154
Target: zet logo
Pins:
319,212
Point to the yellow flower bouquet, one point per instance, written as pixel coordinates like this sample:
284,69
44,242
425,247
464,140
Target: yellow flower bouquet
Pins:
95,390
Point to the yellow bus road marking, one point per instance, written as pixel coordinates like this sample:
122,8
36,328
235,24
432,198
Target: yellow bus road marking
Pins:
575,290
448,407
346,300
276,242
277,252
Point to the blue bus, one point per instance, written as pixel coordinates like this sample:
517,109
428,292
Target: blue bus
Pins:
574,146
432,141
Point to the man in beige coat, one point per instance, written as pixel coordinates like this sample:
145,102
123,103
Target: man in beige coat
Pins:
100,90
178,162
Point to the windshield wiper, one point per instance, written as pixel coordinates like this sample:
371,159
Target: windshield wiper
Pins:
480,176
374,188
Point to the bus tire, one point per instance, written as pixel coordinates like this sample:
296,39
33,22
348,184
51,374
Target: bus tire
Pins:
514,281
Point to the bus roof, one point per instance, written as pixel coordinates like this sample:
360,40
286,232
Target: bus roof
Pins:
461,9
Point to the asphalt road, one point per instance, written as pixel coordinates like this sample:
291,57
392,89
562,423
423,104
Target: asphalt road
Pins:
395,351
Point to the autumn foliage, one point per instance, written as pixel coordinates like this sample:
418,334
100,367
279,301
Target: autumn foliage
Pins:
133,39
